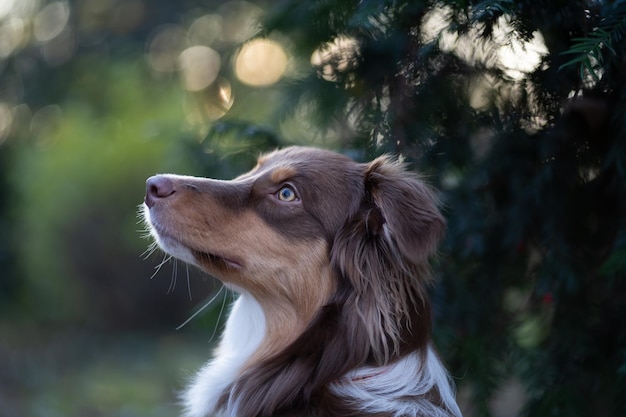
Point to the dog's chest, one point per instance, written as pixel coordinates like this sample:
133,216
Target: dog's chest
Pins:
244,332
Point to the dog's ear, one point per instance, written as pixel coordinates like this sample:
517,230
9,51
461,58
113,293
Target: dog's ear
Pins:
382,254
407,208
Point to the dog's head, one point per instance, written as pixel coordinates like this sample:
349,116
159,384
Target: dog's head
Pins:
319,240
267,232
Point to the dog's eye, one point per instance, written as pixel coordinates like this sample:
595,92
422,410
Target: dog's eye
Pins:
287,194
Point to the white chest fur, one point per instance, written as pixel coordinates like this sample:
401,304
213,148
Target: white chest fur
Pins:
245,329
401,388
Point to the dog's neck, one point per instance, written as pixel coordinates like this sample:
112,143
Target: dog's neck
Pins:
248,337
244,333
255,330
244,336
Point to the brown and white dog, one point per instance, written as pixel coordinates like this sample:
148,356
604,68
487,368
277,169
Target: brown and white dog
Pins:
330,260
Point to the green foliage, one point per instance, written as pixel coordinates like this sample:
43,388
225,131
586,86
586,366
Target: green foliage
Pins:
96,152
589,51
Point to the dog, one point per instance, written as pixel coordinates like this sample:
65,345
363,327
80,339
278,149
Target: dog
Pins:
330,259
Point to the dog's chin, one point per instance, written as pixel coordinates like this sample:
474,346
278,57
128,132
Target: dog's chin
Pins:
208,261
173,247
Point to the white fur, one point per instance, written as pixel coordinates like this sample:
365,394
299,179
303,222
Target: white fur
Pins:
397,388
169,245
245,329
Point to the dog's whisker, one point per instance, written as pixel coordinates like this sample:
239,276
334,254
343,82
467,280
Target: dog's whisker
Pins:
144,234
174,277
141,218
149,250
219,316
204,307
157,268
188,282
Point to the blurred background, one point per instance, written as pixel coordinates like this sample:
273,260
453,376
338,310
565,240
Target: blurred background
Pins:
515,110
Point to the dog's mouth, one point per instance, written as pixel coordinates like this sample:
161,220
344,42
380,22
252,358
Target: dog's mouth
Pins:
202,258
211,259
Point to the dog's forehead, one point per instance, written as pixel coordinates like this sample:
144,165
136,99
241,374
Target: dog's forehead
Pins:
299,158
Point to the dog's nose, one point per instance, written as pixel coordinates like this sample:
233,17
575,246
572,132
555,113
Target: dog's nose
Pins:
158,187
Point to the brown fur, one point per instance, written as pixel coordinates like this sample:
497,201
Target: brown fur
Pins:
341,274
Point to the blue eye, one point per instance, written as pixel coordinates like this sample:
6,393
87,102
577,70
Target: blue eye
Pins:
286,194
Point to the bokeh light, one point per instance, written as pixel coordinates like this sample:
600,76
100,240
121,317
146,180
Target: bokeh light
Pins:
165,46
13,35
26,8
517,57
205,30
261,62
240,21
6,6
6,118
209,104
51,20
45,122
61,48
199,66
336,56
511,54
